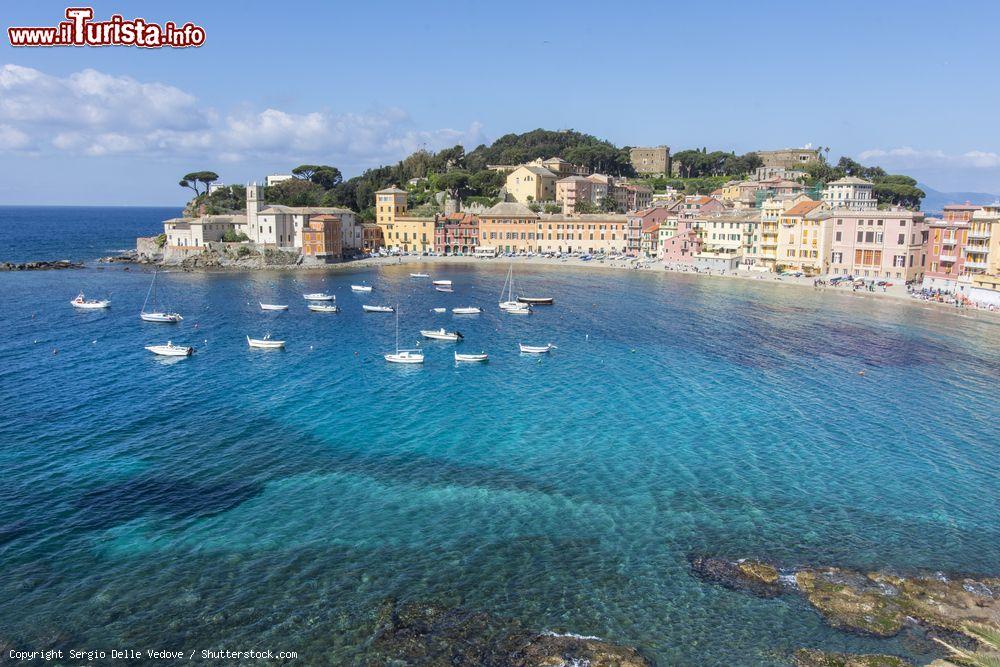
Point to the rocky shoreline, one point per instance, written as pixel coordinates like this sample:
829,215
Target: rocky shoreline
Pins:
431,634
877,604
41,265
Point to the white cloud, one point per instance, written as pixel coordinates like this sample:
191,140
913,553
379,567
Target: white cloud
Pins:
906,157
96,114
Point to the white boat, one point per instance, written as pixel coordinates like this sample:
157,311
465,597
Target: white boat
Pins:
535,349
444,289
523,310
467,310
156,315
510,303
323,308
265,342
89,304
170,318
472,357
403,356
377,309
441,334
442,283
273,306
318,296
170,350
361,288
419,275
439,310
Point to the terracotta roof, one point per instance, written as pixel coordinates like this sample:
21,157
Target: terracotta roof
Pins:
650,226
802,208
391,190
509,209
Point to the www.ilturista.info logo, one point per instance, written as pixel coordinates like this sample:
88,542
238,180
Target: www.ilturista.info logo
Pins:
80,30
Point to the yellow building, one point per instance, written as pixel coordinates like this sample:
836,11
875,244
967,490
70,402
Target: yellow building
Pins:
399,231
530,183
984,232
803,243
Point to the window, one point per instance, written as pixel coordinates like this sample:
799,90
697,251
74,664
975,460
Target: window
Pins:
902,239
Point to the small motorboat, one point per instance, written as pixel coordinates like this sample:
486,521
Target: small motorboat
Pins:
89,304
419,275
377,309
508,305
361,288
467,310
525,309
536,300
323,307
441,283
170,318
444,289
472,357
171,350
265,342
405,357
535,349
273,306
319,296
439,310
441,334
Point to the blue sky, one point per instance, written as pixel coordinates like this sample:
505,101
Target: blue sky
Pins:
912,87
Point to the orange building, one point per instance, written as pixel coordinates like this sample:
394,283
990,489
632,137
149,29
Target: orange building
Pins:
321,238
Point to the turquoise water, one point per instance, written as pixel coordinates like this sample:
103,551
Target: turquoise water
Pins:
273,499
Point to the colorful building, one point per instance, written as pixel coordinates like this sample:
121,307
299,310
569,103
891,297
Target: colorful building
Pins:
321,238
531,183
803,241
509,227
639,219
682,247
457,234
876,244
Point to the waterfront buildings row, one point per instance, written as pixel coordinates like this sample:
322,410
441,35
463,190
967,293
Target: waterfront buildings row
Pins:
839,231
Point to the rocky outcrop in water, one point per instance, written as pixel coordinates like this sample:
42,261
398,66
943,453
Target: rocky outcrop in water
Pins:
748,576
435,635
876,603
809,658
41,265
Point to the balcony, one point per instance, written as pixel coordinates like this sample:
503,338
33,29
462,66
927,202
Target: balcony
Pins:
979,235
976,265
947,241
976,249
948,258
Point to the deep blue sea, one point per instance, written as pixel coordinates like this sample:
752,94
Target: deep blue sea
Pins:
247,498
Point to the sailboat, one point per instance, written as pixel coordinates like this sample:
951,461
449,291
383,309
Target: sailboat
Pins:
156,315
511,303
403,356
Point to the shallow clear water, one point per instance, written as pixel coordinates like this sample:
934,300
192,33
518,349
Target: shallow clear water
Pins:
273,499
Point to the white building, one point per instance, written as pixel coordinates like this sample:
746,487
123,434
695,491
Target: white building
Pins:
274,179
198,232
282,226
851,193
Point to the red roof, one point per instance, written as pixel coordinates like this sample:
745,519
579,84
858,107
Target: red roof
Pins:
803,207
650,227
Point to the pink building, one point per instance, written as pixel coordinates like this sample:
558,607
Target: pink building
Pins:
945,248
682,246
882,244
694,206
639,219
457,233
574,189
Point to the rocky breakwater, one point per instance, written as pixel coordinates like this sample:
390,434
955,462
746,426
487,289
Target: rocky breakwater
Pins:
41,265
431,634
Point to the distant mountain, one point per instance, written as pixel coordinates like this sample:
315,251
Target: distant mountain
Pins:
935,200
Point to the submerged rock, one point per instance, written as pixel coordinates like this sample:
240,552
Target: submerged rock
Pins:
40,266
851,601
432,634
877,603
748,576
810,658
